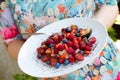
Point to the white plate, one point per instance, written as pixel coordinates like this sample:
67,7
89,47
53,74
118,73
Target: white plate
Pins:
29,63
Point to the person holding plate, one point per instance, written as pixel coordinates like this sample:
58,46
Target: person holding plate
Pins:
28,16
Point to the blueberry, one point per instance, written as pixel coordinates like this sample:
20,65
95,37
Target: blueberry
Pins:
82,52
57,65
68,29
64,40
77,34
48,62
51,45
66,62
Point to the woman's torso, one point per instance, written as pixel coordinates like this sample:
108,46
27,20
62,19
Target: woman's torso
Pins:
31,15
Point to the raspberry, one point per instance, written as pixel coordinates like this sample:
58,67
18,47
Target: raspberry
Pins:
71,59
60,37
69,43
75,46
70,50
49,41
61,47
82,45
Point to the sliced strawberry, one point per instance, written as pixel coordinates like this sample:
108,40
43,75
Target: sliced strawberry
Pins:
40,50
53,61
61,60
87,52
91,41
79,57
88,48
45,58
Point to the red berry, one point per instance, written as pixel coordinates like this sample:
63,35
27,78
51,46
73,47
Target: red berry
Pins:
71,59
71,37
70,50
45,58
60,37
82,45
79,57
69,43
75,46
91,41
40,50
87,52
49,41
61,60
88,48
61,47
55,51
53,61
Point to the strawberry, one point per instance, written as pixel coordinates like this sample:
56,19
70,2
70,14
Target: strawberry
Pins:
79,57
71,59
61,60
88,48
40,50
71,37
53,61
91,41
45,58
87,52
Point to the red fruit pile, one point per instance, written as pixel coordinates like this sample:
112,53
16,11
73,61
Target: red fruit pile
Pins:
69,46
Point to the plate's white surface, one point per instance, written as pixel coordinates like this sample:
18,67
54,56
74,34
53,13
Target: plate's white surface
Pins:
29,63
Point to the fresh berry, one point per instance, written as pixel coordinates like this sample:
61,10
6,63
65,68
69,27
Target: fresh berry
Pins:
91,41
75,46
71,59
66,62
79,57
45,58
70,50
64,40
61,60
57,65
69,43
53,61
61,47
87,52
82,45
49,41
68,29
40,50
88,48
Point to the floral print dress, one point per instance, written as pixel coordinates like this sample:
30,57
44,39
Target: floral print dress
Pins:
28,16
